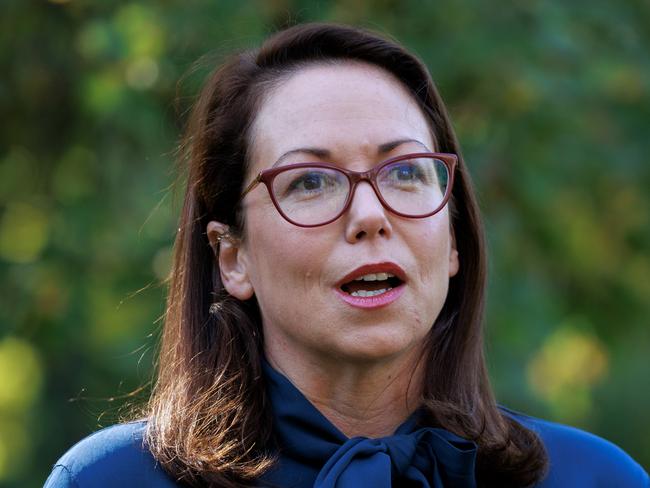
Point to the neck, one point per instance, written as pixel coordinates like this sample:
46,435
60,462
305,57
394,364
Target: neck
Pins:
369,399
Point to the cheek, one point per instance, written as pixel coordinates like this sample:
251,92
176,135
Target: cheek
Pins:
432,257
287,278
284,259
433,247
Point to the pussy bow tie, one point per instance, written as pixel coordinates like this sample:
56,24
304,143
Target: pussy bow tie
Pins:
428,457
424,458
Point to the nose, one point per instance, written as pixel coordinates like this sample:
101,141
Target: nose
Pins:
366,217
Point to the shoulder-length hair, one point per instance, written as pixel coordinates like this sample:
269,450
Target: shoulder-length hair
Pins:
208,416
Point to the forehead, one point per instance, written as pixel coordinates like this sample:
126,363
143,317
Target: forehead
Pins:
347,108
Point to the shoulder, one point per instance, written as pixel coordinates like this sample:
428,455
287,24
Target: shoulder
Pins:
579,458
114,456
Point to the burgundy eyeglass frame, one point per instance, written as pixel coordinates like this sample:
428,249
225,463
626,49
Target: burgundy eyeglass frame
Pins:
354,177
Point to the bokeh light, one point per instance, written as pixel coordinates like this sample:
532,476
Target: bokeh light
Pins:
23,232
566,368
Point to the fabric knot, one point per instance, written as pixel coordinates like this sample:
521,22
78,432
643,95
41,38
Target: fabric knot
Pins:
427,458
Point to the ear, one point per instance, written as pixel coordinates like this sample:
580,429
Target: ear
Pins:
454,264
233,265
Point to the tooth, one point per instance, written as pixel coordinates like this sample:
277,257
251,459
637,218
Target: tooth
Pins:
370,293
375,277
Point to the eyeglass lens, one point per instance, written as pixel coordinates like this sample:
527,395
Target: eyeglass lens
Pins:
312,195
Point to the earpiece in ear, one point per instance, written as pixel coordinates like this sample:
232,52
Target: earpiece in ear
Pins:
224,235
231,258
217,233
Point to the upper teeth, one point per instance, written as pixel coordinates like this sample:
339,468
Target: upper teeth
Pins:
375,277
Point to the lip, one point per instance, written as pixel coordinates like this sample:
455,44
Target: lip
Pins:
378,300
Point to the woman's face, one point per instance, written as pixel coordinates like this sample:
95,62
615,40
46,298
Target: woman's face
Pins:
353,115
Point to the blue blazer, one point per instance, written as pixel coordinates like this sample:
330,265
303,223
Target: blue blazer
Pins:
314,453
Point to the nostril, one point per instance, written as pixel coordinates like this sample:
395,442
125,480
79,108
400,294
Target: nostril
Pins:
360,235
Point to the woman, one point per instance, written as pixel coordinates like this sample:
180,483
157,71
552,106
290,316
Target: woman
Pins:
324,321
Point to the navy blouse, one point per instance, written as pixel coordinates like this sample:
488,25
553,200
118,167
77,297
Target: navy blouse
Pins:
314,453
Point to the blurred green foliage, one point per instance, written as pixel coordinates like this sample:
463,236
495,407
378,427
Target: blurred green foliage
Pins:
551,101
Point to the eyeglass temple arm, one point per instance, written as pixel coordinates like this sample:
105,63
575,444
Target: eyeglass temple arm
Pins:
252,185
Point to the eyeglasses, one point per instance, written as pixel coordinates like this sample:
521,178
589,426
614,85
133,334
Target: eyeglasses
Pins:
313,194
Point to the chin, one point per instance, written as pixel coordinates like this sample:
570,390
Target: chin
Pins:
377,348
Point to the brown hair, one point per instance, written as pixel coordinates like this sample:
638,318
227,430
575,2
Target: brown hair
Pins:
208,416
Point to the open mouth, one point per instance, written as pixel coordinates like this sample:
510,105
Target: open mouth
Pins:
371,284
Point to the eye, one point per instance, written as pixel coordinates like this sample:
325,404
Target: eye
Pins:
405,172
300,184
309,182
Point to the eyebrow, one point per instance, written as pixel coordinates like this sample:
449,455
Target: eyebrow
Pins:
326,153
